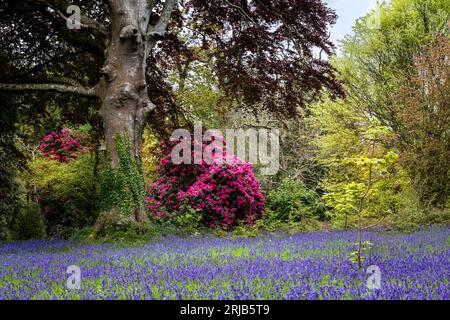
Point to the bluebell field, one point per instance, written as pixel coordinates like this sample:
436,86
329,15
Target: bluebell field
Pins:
301,266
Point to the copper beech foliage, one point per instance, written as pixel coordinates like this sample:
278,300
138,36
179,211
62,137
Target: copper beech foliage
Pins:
267,54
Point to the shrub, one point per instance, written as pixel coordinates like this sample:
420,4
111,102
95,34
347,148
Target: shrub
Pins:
62,145
187,219
12,159
293,201
63,179
66,193
30,223
437,216
227,194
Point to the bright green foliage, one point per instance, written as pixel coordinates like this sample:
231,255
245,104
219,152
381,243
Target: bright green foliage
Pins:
360,138
376,59
150,154
293,201
358,256
363,177
66,192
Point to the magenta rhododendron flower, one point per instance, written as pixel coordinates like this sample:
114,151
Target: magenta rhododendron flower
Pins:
62,145
223,187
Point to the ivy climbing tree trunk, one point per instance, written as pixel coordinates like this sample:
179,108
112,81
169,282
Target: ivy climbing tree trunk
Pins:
123,92
123,89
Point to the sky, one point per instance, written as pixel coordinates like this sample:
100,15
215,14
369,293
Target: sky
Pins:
348,11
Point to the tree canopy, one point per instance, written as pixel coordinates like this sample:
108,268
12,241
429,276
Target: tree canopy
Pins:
264,53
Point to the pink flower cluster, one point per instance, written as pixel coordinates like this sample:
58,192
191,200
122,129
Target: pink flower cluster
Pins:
61,145
224,189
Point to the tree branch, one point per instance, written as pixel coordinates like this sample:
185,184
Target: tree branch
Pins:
90,92
241,11
89,44
159,29
64,80
85,22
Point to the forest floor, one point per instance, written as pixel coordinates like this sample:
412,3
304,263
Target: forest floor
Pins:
313,265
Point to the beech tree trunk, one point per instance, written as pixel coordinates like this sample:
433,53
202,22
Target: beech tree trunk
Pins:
123,89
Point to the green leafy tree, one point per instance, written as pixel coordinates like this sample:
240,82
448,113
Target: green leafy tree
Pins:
362,176
378,64
379,55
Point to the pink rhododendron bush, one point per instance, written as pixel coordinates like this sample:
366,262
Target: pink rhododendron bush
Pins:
62,145
221,186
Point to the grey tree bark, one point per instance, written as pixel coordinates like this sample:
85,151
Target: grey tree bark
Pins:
123,88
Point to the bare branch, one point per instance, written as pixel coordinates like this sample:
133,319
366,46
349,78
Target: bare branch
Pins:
64,80
159,29
241,10
93,24
90,92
